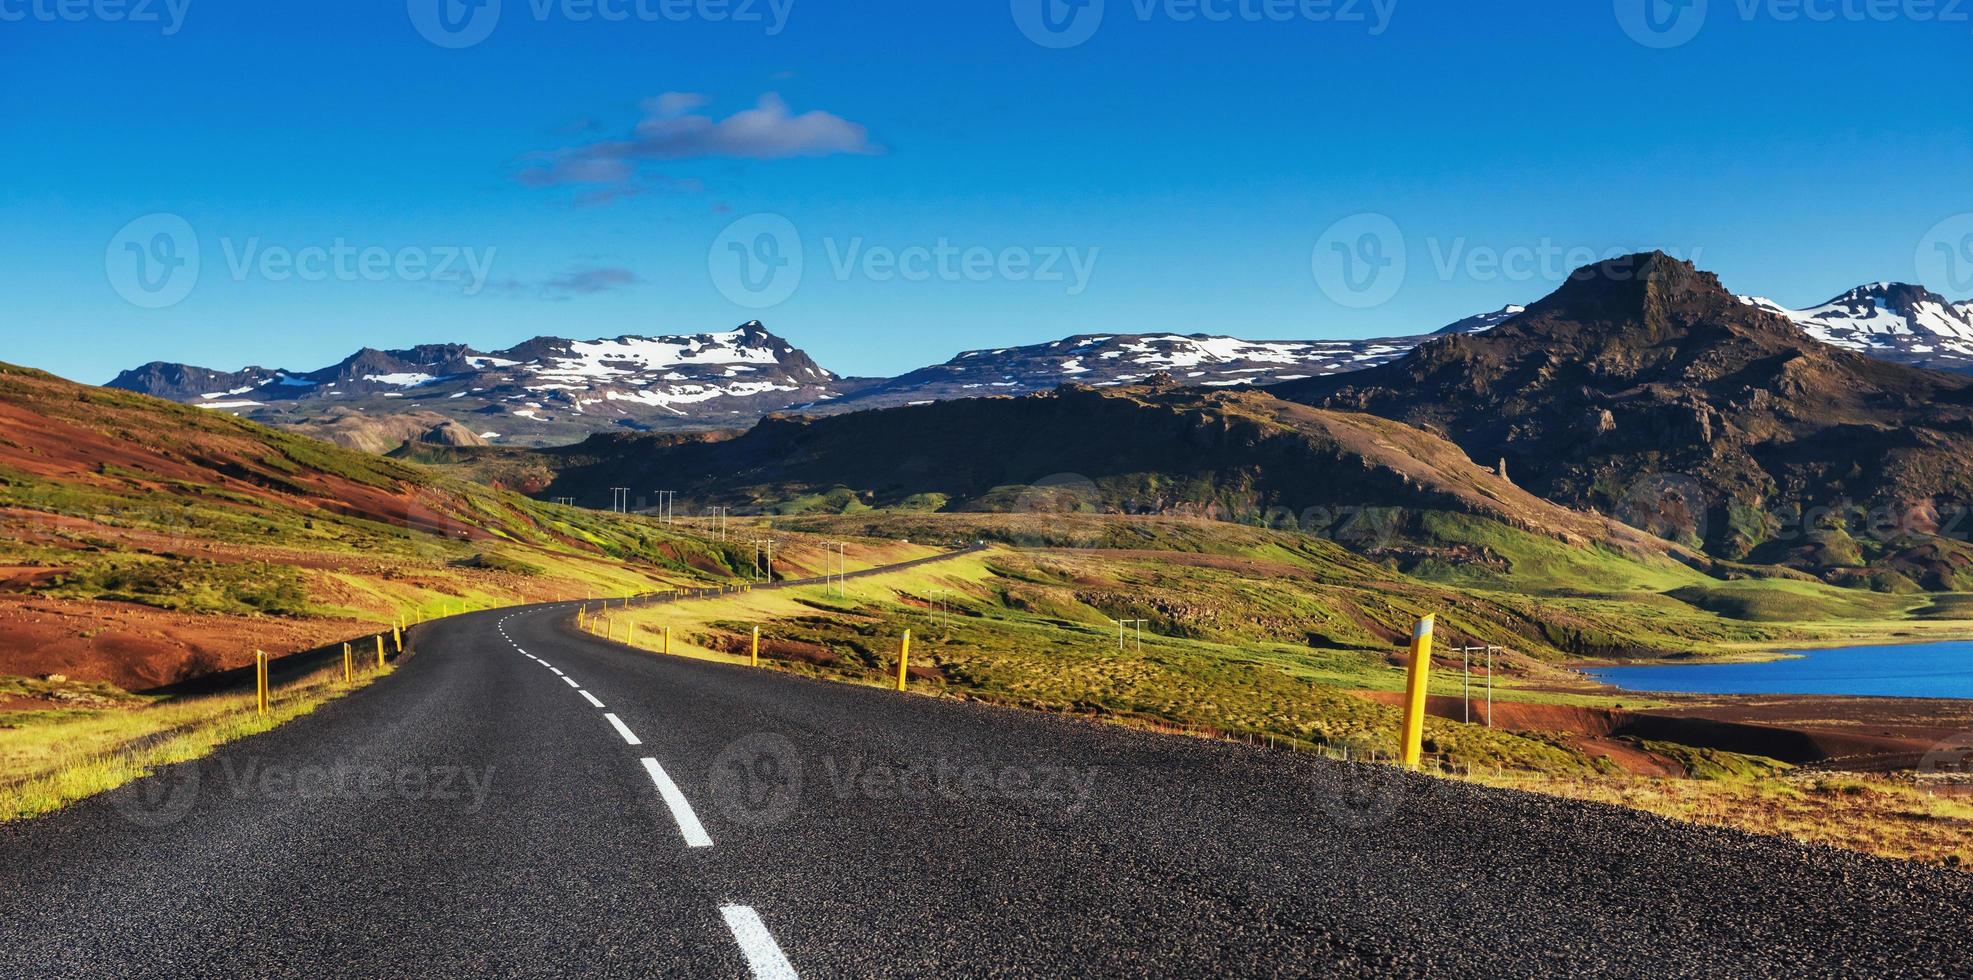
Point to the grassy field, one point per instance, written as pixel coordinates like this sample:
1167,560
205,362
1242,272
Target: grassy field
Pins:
1273,638
49,759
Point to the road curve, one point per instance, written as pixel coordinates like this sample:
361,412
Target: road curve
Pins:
484,811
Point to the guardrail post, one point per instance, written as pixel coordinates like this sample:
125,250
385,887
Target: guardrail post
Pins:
903,659
260,679
1415,689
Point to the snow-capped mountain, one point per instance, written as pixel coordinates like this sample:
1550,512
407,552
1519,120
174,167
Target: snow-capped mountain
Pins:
1481,322
1103,360
1891,321
547,390
551,391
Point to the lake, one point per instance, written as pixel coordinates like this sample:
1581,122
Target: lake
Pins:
1929,670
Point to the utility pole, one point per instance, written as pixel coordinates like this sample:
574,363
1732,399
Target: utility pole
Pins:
835,568
1122,624
667,505
619,500
1490,651
1466,680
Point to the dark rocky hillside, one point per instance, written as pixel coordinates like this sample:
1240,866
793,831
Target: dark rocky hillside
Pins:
1644,389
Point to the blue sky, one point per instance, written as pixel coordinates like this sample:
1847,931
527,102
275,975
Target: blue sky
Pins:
1166,173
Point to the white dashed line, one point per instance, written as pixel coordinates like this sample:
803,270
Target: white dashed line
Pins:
592,698
570,681
628,735
763,953
681,811
558,671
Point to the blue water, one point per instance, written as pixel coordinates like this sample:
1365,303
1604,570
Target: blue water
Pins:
1930,670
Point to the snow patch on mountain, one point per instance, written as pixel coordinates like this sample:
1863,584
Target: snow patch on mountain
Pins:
1894,321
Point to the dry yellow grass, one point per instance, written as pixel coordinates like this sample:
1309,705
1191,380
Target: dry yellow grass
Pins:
56,759
1878,815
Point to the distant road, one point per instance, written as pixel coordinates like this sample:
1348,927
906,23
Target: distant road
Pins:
522,799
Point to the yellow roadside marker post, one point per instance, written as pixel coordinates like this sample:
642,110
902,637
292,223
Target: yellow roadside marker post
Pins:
667,641
903,659
756,646
397,636
1414,691
380,651
260,678
349,664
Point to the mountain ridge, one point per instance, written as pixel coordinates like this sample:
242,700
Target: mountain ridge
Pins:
1899,322
1644,389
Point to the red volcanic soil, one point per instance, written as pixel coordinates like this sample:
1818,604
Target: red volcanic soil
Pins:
1593,728
139,648
1865,734
129,448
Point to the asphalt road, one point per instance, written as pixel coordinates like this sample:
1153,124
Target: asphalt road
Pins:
480,813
